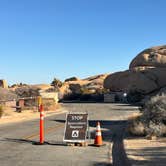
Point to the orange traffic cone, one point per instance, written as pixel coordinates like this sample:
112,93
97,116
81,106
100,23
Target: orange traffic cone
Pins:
98,138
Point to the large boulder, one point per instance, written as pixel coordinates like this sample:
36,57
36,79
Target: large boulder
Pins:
155,56
143,81
146,73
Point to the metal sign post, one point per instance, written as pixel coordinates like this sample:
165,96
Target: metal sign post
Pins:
76,127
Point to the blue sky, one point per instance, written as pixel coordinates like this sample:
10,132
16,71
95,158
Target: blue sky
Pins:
43,39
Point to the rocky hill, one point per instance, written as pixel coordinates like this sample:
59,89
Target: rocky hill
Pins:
87,86
146,74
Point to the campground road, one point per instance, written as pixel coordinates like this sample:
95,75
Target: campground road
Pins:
17,148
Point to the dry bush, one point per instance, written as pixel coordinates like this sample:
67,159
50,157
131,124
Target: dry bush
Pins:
153,118
154,115
50,105
136,127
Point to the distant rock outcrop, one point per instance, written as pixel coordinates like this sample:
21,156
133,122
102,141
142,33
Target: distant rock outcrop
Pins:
147,73
87,85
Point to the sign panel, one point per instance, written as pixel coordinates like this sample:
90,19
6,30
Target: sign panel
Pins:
76,127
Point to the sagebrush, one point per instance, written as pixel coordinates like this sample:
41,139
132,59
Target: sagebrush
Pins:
153,118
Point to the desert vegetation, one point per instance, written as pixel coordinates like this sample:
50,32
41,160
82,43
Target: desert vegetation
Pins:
56,83
152,121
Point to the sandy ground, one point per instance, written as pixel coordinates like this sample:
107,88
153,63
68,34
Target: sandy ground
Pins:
142,151
11,116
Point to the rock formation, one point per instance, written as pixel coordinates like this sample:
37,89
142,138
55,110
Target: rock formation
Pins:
147,73
152,57
90,85
3,84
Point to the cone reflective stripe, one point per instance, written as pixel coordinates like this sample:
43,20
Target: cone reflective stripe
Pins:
98,127
98,138
41,124
98,133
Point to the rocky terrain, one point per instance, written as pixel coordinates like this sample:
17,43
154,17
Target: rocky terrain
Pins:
6,94
87,86
146,74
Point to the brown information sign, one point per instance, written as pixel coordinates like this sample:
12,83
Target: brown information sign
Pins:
76,127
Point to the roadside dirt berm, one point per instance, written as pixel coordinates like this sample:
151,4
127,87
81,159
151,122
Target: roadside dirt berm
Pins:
98,138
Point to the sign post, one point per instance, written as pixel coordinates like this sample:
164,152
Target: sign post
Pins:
76,127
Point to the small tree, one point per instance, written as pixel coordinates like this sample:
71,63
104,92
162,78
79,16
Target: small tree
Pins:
56,83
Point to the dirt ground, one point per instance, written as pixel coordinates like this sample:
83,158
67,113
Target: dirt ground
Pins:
11,116
141,151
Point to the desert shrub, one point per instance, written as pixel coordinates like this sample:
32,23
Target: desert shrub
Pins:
50,105
71,79
1,111
154,116
136,126
56,83
18,85
152,122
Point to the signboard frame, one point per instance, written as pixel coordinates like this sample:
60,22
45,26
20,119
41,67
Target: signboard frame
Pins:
66,127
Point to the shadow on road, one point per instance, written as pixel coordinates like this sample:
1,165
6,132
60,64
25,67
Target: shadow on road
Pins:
23,141
26,141
112,131
152,156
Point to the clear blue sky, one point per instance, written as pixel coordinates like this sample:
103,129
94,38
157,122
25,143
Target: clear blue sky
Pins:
43,39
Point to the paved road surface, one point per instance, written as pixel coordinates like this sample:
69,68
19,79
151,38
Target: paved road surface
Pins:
17,148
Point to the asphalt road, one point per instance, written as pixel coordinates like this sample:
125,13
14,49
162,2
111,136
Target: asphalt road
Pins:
17,140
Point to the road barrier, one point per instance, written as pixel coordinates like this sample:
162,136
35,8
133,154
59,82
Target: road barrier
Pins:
41,124
41,110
